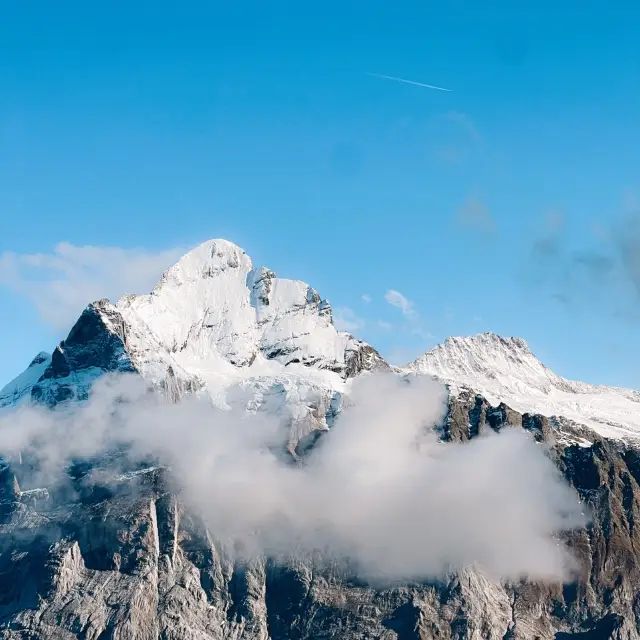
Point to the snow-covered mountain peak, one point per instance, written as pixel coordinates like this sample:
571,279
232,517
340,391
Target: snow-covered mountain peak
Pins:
505,370
41,358
208,259
213,324
213,308
487,355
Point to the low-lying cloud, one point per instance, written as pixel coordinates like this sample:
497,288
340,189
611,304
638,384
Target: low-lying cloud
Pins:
378,488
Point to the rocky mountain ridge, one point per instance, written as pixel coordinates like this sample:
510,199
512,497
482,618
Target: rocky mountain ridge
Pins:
505,370
117,553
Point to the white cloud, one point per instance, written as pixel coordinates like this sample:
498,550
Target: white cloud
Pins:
366,298
346,320
61,283
370,492
385,326
413,324
396,299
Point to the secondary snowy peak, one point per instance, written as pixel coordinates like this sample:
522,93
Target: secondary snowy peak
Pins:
492,357
505,370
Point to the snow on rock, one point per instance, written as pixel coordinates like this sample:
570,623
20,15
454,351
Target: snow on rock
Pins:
505,370
214,324
19,389
212,312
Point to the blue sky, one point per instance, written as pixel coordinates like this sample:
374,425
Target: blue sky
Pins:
501,205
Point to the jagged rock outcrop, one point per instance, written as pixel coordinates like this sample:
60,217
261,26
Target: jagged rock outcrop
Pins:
124,557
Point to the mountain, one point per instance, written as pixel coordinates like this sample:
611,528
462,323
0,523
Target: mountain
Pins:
214,324
505,370
119,554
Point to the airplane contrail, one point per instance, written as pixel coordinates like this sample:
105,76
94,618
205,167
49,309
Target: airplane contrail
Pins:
419,84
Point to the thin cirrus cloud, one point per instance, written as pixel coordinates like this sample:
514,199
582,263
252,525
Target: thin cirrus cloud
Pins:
396,299
456,138
60,284
413,326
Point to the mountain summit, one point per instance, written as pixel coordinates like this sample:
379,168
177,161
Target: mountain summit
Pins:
505,370
215,324
488,356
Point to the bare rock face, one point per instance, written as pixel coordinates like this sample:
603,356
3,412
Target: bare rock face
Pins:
121,556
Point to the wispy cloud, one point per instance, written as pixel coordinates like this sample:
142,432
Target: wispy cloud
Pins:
61,283
396,299
366,298
421,332
400,356
456,137
630,201
418,84
413,325
452,155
